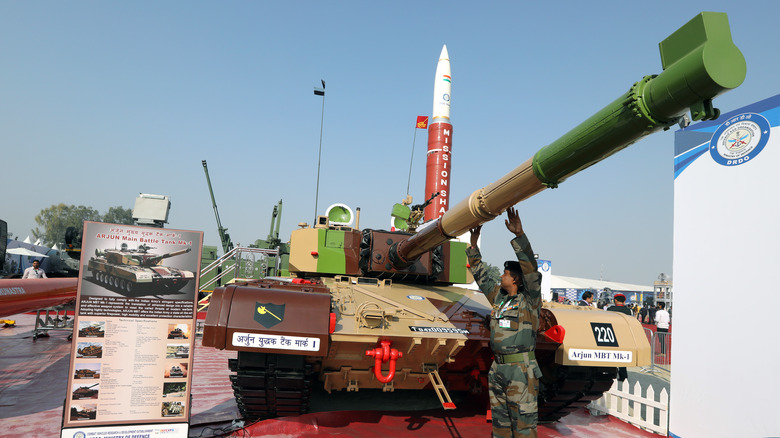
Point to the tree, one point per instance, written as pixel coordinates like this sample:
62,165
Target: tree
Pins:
53,221
493,273
118,215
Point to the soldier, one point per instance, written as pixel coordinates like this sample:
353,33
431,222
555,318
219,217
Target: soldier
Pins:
514,376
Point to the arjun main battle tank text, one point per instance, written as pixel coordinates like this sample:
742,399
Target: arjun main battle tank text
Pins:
134,270
377,309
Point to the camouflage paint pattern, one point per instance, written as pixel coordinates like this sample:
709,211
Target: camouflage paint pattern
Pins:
514,322
513,391
521,312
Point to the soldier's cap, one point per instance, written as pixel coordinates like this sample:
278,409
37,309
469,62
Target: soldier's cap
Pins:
620,297
514,267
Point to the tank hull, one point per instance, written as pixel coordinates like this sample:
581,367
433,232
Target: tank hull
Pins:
437,328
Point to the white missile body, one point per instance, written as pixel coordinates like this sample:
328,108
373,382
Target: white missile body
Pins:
442,89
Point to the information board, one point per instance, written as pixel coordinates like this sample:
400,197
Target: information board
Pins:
131,358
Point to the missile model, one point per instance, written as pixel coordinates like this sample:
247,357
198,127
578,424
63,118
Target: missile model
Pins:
437,168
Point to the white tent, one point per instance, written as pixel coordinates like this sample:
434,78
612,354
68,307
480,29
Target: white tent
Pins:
561,282
24,252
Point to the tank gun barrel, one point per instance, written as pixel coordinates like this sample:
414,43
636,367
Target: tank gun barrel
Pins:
700,62
169,255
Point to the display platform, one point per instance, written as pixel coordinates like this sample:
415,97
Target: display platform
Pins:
33,377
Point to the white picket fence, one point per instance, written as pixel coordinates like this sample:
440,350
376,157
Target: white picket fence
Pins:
615,402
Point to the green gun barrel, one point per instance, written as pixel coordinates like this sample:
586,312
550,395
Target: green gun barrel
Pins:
700,62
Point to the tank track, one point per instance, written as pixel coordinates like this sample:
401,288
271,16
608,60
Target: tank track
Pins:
271,385
569,388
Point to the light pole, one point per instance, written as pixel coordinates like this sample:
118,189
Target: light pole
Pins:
319,92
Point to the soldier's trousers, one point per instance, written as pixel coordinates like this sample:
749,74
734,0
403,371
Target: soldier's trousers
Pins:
513,391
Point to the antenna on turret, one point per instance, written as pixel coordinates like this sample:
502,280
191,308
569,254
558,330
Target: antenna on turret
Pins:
319,92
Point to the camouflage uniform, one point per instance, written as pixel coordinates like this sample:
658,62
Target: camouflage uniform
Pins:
514,321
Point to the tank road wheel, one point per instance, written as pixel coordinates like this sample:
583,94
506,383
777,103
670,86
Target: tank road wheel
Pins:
568,388
99,276
271,385
129,286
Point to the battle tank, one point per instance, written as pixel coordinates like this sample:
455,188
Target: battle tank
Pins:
377,309
86,373
91,351
92,332
172,409
176,333
85,413
85,392
176,371
127,270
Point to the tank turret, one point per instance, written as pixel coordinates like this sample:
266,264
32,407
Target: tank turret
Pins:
155,260
376,309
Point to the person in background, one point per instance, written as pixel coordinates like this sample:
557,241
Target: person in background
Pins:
647,314
662,321
34,271
587,299
620,306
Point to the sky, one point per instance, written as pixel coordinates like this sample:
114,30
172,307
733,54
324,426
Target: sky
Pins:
101,101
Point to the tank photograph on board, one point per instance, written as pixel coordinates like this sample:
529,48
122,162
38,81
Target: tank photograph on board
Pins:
136,262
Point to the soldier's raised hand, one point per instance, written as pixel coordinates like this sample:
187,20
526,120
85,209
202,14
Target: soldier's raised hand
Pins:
513,222
475,235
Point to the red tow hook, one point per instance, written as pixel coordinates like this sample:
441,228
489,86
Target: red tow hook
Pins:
381,355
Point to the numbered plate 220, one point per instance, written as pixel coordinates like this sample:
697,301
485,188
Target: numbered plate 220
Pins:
604,334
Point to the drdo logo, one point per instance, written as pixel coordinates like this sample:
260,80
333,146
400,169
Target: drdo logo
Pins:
739,139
